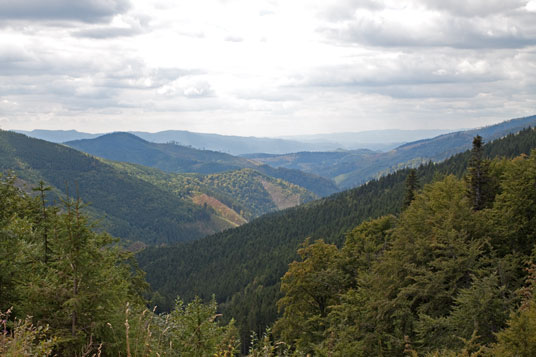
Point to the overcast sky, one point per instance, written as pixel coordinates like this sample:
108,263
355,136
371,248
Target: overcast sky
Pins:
267,67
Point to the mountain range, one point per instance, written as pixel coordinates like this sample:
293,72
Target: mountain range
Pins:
174,151
213,223
237,145
175,158
352,168
140,203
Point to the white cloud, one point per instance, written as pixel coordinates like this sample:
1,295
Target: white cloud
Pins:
269,67
79,10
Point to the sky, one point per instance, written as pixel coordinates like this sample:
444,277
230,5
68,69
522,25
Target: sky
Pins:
265,67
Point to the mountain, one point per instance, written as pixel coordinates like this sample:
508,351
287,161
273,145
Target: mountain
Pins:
382,140
57,136
351,168
181,159
145,204
127,147
231,144
238,145
243,266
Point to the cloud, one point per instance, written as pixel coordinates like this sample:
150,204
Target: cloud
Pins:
91,11
433,23
121,26
234,39
435,31
107,32
324,65
341,10
480,8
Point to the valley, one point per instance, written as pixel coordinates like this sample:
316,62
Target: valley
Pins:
206,223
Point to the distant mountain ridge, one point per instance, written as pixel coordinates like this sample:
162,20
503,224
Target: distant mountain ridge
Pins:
351,168
57,136
238,145
381,140
181,159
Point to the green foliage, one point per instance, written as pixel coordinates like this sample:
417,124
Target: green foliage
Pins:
411,187
175,158
266,347
63,289
24,338
478,178
438,281
310,287
519,338
243,266
515,212
190,330
70,301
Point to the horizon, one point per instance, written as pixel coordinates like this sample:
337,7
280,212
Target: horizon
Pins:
289,137
265,69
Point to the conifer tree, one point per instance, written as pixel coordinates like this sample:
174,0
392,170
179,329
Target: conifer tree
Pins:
44,221
478,179
412,184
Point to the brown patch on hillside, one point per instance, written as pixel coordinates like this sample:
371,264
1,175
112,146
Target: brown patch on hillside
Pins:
223,211
281,198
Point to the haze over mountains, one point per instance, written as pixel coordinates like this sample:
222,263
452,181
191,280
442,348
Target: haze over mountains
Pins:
351,168
343,168
238,145
181,159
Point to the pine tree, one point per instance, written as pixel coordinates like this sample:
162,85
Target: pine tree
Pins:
478,178
412,184
44,221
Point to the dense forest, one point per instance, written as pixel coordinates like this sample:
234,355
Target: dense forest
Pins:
175,158
243,266
434,261
453,273
68,291
143,204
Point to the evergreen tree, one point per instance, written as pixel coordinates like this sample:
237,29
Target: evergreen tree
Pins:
478,179
412,184
310,288
42,189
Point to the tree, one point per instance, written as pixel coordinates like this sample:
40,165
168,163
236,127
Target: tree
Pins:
81,284
42,189
435,250
310,288
514,210
412,184
478,179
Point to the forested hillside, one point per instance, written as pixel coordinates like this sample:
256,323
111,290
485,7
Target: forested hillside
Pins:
452,275
247,192
144,204
351,168
175,158
68,291
243,266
